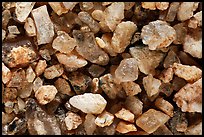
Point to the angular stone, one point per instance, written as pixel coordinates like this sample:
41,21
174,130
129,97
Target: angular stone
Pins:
149,5
88,48
23,10
189,73
104,119
98,15
147,60
125,115
151,120
189,98
30,74
45,94
125,127
108,85
63,87
58,8
37,83
89,103
166,75
96,70
89,124
186,10
131,88
172,11
127,70
29,27
158,34
162,5
170,59
18,77
163,130
13,29
3,34
45,54
6,74
86,6
53,71
69,5
165,106
114,14
122,36
181,32
25,89
44,25
72,120
40,68
63,42
194,129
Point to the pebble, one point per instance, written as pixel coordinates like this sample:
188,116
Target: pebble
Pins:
58,8
40,68
125,127
29,27
165,106
63,87
53,71
104,119
89,124
6,74
72,120
131,88
30,74
126,115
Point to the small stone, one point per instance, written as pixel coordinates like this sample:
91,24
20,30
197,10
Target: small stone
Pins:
163,130
30,74
149,5
9,95
79,82
25,89
86,6
114,14
147,60
95,88
63,87
6,74
18,77
58,8
186,10
189,98
53,71
44,25
129,5
6,16
106,3
136,37
189,73
196,20
125,115
181,32
172,11
165,106
29,27
23,10
46,94
178,83
37,83
89,103
151,85
158,34
89,124
181,127
45,54
40,68
193,43
166,75
13,30
162,5
108,85
104,119
151,120
71,60
166,88
69,5
127,70
170,59
88,48
7,118
63,42
131,88
122,36
72,120
96,70
98,15
194,129
125,127
21,104
3,34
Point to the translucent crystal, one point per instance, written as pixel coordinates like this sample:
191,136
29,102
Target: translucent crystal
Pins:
89,124
96,70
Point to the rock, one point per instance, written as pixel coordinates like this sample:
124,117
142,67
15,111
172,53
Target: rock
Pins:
6,16
13,30
98,15
72,120
18,77
126,115
86,6
3,34
166,75
114,14
87,19
158,34
172,11
40,68
6,74
23,10
96,70
7,118
30,74
71,60
58,8
45,94
165,106
63,87
151,85
186,10
170,59
69,5
88,48
79,82
37,83
89,124
44,25
104,119
63,42
162,5
45,54
178,83
189,98
29,27
196,20
125,127
193,43
163,130
151,120
108,85
129,5
127,70
147,60
149,5
89,103
131,88
189,73
25,89
53,71
194,129
181,32
95,88
122,36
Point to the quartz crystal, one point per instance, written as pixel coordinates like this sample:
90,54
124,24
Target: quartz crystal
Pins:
125,115
104,119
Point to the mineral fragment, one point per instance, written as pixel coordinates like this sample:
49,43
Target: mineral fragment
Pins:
104,119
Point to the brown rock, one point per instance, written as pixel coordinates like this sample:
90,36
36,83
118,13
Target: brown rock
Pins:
165,106
40,68
125,115
63,87
53,71
125,127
